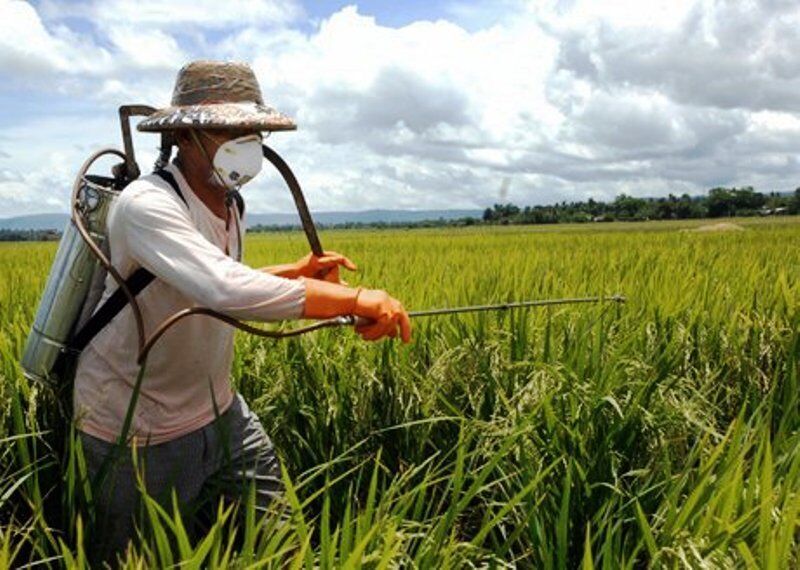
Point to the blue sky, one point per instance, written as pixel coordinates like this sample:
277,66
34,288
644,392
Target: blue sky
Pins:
392,14
424,104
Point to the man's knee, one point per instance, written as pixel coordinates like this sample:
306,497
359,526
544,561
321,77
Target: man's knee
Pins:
114,499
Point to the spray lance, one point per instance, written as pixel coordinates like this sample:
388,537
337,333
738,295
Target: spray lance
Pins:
77,277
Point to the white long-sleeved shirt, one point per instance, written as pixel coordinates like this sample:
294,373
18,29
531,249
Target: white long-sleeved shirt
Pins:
184,247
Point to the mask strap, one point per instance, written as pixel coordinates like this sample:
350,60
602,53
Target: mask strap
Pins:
238,234
229,194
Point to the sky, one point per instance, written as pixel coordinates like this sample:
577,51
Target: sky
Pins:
423,105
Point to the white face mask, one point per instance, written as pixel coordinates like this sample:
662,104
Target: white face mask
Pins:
238,161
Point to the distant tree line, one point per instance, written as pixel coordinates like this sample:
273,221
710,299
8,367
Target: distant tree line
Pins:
435,223
720,202
29,235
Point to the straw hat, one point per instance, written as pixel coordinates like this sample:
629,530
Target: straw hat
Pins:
217,95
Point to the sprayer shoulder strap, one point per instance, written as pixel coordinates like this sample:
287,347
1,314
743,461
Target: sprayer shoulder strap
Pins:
170,179
136,282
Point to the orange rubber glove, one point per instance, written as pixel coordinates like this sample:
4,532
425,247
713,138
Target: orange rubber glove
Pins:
324,267
384,313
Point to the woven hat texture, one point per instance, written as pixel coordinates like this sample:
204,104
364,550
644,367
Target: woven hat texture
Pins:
217,95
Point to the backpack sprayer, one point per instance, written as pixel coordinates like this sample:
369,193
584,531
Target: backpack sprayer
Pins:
77,277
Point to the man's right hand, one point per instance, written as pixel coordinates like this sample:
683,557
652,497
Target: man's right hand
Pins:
385,314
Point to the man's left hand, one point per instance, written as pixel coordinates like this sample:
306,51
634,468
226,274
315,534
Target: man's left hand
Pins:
324,267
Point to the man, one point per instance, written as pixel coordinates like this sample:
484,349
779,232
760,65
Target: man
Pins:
193,433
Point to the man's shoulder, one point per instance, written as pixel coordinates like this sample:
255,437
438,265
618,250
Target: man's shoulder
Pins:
149,191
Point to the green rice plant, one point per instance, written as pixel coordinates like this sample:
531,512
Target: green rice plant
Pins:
662,433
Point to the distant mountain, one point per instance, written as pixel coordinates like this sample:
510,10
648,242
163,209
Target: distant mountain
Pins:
59,221
365,217
35,222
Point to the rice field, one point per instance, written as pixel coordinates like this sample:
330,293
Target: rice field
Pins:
662,433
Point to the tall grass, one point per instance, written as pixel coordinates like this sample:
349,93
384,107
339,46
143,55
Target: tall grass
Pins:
663,433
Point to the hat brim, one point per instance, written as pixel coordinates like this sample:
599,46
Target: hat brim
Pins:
250,116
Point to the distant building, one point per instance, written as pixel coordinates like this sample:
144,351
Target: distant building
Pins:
773,211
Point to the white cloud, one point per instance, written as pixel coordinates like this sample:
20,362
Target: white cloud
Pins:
564,99
498,72
727,55
160,14
144,48
424,93
27,48
661,15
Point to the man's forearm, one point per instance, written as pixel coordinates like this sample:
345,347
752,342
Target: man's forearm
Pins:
286,270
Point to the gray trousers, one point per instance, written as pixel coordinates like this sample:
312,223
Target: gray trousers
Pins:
221,460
